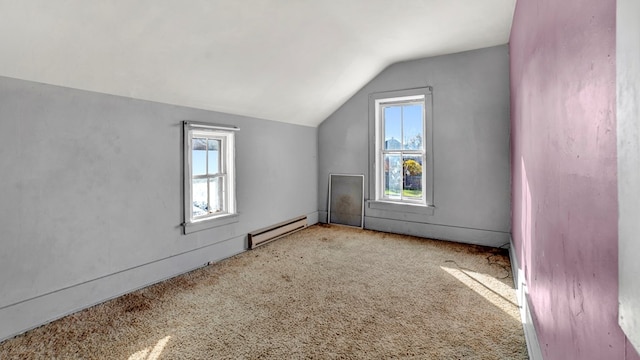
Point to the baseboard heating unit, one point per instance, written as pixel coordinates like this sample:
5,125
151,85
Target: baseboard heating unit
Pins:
270,233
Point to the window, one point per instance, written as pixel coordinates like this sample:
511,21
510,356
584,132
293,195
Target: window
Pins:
403,169
209,181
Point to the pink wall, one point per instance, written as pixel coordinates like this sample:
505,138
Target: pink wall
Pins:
563,103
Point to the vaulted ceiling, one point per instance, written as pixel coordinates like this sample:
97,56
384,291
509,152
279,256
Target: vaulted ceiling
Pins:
294,61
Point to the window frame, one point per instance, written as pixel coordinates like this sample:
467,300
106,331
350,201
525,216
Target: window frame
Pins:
226,153
377,101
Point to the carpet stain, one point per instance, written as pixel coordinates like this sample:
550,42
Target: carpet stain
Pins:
133,302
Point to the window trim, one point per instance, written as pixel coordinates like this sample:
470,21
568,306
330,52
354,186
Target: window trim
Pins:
377,201
192,129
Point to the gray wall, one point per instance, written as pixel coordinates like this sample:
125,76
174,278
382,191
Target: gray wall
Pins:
471,146
628,113
91,191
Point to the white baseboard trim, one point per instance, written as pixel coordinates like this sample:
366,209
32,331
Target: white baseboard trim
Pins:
531,337
31,313
312,218
322,216
433,231
439,232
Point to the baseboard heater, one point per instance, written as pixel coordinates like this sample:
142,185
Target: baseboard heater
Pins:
270,233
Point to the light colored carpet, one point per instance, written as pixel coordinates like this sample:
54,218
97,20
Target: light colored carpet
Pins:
327,292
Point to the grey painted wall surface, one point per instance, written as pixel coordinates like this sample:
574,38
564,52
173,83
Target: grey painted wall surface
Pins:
91,191
628,127
471,146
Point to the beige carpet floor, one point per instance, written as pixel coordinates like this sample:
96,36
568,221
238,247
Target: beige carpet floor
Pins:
327,292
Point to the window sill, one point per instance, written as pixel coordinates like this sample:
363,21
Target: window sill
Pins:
204,224
399,207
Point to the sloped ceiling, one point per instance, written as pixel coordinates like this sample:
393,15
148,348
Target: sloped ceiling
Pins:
294,61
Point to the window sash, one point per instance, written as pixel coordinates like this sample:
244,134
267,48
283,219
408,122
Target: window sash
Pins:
222,154
224,197
402,198
408,152
381,105
208,176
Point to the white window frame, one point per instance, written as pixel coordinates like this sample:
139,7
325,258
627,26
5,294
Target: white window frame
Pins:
379,200
226,135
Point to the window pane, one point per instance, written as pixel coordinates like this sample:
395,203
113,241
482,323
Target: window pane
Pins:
199,191
214,156
392,176
412,126
199,156
216,194
412,186
392,127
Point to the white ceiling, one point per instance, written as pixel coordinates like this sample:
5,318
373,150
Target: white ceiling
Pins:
294,61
